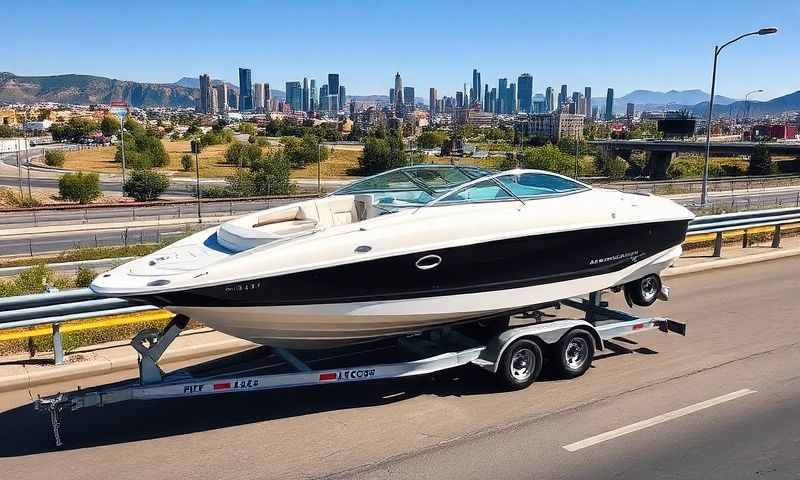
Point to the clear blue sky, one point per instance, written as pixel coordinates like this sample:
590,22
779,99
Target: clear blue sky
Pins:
621,44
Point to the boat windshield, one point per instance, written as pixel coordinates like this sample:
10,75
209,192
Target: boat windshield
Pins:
413,186
512,185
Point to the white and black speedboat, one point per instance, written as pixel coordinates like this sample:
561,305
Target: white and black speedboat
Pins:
408,250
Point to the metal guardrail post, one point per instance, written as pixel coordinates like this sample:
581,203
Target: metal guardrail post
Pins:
776,237
718,245
58,345
745,240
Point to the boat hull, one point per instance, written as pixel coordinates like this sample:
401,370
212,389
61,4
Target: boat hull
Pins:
322,325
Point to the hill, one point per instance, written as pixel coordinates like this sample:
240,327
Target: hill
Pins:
786,103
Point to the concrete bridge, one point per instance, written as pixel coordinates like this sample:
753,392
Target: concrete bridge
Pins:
661,152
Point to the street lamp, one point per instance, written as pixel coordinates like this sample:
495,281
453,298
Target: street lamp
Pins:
717,50
747,102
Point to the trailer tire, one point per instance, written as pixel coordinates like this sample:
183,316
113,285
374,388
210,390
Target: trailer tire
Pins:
644,292
520,365
574,354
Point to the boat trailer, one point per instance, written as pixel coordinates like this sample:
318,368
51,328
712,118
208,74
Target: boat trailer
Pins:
515,355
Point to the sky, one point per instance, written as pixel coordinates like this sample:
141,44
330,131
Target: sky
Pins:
624,45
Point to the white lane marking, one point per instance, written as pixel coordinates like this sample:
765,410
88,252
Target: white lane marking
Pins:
603,437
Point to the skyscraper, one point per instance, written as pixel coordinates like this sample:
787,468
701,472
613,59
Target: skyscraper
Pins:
587,97
313,103
460,100
512,98
245,90
267,98
323,98
550,99
562,97
408,95
610,104
333,84
432,100
525,86
630,110
475,96
487,107
294,96
205,94
222,97
342,97
398,90
502,101
391,96
258,96
306,96
575,107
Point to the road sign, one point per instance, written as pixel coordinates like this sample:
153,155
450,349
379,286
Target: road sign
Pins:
119,109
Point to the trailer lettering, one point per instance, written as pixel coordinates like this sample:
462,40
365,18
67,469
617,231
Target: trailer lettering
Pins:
193,388
355,374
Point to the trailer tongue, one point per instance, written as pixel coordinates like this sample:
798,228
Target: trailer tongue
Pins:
515,355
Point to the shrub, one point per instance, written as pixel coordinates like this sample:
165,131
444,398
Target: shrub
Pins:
242,154
79,187
84,277
262,141
760,161
548,158
54,158
248,128
615,168
143,150
432,139
300,151
187,162
269,175
145,185
381,154
216,191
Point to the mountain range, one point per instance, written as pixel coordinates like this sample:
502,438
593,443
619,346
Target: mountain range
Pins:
88,89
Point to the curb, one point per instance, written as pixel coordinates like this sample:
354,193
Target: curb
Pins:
104,366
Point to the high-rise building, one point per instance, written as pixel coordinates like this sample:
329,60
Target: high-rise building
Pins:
294,96
408,95
476,87
512,98
258,97
245,90
630,109
562,96
222,97
391,96
525,87
575,105
323,98
487,107
539,104
333,84
550,99
214,103
205,94
493,100
502,101
267,98
342,97
610,104
587,98
306,96
432,100
333,103
313,102
398,90
459,99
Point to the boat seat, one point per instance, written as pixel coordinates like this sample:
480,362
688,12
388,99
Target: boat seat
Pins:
239,238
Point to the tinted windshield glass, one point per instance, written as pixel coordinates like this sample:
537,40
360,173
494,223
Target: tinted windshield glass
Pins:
528,185
486,190
413,185
441,177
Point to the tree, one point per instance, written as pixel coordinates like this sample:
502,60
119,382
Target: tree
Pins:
187,162
109,125
143,150
7,131
269,175
145,185
548,157
247,128
54,158
381,154
300,151
242,154
79,187
760,161
432,139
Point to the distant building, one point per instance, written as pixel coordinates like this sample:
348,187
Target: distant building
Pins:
587,98
306,96
398,90
333,84
313,102
408,96
233,100
550,99
222,97
553,126
562,97
391,96
258,97
342,97
323,98
245,90
525,87
205,94
610,104
268,100
629,111
539,104
475,96
294,96
432,100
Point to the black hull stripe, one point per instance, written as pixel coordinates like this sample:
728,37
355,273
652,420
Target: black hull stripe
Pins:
491,266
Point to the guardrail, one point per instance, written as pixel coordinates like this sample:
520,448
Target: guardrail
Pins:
57,307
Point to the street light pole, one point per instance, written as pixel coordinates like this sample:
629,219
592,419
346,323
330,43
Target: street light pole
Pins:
319,168
717,50
747,102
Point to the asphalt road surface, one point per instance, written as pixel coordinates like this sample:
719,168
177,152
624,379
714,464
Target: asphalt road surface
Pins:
722,403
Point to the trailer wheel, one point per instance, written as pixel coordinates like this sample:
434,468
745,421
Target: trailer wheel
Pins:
520,364
575,353
644,292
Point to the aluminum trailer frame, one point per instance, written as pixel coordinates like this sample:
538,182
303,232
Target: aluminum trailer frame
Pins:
431,351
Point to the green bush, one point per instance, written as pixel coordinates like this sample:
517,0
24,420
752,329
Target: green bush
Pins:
216,191
32,280
79,187
187,162
145,185
381,154
615,168
262,141
761,161
247,128
143,149
432,139
300,151
242,154
84,277
54,158
548,157
269,175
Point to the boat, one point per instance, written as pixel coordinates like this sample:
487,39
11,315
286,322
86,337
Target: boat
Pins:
408,250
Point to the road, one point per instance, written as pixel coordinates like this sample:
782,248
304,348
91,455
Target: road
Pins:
736,372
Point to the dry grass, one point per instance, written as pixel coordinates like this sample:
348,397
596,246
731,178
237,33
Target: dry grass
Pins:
338,165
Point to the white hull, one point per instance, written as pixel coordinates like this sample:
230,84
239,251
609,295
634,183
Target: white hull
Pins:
328,325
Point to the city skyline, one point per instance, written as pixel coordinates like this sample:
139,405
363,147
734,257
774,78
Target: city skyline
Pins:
608,55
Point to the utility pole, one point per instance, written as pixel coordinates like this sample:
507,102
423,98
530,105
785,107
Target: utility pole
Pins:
196,150
319,168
